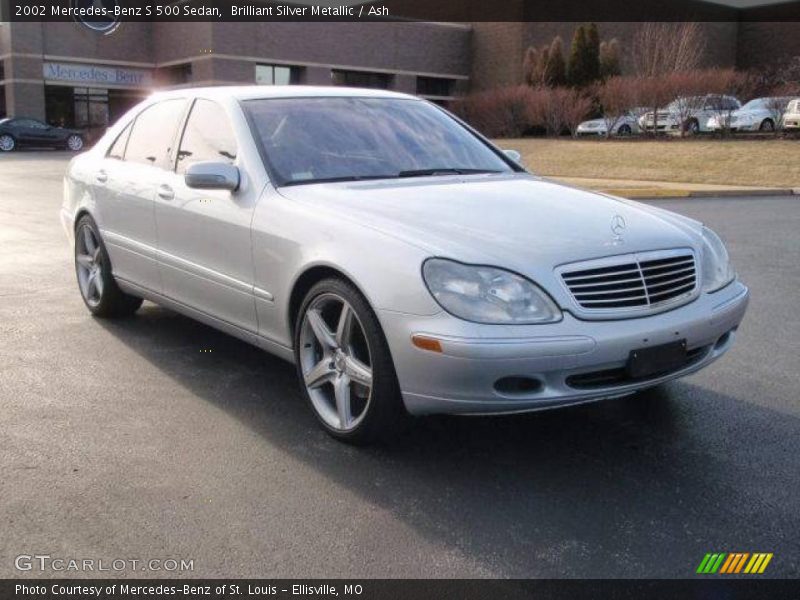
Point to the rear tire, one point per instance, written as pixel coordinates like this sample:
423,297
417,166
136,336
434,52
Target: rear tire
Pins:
98,288
767,126
624,131
74,143
344,365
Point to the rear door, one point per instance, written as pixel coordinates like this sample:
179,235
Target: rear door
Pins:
204,235
125,187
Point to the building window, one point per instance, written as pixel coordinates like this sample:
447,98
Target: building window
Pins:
434,86
276,75
381,81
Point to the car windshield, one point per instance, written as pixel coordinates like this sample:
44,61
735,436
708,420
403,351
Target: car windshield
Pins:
684,103
754,104
312,140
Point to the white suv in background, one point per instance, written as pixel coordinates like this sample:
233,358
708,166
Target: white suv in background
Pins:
690,113
791,118
760,114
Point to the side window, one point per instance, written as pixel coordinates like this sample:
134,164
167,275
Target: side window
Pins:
117,149
208,136
150,142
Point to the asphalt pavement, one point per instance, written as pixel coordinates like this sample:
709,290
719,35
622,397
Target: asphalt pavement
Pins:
157,437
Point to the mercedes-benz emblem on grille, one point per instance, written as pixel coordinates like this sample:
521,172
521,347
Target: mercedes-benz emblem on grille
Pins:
617,227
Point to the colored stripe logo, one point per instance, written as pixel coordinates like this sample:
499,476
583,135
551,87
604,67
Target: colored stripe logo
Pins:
734,562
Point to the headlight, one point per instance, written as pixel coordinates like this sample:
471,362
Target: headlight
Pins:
487,294
717,271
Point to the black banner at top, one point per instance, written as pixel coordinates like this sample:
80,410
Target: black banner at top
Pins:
422,10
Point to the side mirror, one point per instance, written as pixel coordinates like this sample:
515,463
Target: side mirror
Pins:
513,155
212,176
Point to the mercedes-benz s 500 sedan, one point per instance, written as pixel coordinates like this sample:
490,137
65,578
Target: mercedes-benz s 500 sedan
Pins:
398,258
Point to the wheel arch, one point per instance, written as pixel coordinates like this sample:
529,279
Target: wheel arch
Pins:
307,279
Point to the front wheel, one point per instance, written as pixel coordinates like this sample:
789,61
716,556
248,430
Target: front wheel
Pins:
344,365
624,131
75,143
98,288
7,143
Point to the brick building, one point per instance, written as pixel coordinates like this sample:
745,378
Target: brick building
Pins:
69,73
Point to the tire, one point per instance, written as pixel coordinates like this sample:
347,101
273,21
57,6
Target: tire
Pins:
624,131
767,125
7,142
692,127
98,289
74,143
339,346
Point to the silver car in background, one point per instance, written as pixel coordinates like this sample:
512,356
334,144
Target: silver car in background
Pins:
399,259
759,114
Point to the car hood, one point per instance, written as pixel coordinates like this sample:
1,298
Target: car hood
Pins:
593,123
516,221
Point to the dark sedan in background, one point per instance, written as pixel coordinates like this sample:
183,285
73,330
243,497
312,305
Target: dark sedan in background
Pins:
22,131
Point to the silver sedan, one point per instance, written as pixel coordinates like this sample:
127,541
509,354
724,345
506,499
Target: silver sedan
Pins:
398,258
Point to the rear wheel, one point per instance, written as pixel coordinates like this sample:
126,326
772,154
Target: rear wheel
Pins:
344,365
99,290
767,125
624,131
693,126
7,143
75,143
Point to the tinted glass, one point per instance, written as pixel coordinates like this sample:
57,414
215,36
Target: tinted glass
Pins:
311,139
208,136
154,133
117,149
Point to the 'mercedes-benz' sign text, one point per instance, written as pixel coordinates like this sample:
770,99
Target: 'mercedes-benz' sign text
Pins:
97,75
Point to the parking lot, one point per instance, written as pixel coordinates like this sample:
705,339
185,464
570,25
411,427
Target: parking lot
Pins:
157,437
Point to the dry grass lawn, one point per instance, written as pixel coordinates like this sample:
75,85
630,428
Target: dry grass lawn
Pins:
768,163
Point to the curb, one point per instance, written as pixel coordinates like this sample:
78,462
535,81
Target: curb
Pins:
663,193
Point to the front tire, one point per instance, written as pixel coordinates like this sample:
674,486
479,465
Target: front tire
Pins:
624,131
97,286
344,365
7,143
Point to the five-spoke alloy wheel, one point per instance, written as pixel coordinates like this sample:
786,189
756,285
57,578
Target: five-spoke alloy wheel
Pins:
344,364
96,283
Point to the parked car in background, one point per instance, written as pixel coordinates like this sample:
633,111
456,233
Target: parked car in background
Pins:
791,118
22,131
690,114
759,114
622,126
337,228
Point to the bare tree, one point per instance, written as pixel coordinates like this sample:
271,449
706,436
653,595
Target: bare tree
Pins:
616,96
778,102
575,105
663,48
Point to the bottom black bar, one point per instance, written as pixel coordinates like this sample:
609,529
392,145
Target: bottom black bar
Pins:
393,589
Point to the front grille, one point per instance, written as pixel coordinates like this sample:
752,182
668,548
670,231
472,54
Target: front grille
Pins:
633,283
620,375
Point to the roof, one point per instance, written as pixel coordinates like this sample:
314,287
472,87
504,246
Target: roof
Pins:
252,92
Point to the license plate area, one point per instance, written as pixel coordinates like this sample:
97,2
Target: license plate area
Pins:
654,360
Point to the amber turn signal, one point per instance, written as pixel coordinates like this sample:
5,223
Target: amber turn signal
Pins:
426,343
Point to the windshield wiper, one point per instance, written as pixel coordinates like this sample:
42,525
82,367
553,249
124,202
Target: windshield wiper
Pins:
337,179
443,171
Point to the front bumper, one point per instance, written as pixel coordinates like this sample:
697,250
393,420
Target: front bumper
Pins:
562,356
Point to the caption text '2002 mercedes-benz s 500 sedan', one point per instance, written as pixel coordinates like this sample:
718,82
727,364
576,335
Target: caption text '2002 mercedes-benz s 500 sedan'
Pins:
399,259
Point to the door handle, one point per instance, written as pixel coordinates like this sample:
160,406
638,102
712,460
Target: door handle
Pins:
101,176
165,192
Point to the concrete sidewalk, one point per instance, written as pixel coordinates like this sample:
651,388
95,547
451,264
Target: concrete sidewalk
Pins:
633,188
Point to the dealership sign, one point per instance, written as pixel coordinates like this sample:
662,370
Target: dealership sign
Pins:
91,75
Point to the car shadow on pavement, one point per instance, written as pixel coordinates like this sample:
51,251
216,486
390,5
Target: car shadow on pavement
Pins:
642,486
